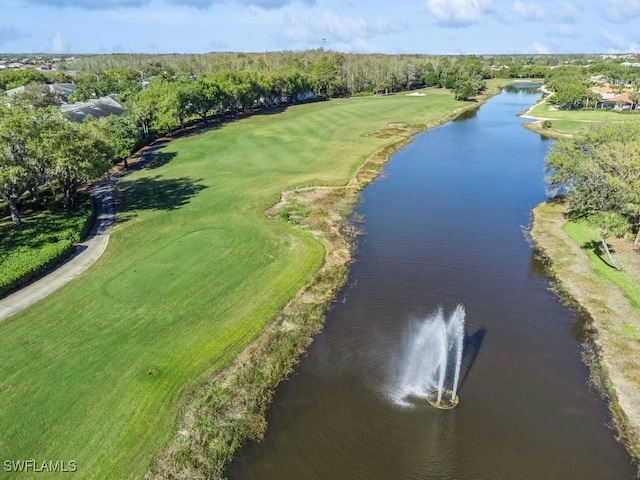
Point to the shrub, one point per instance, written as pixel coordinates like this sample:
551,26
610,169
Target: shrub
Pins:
45,239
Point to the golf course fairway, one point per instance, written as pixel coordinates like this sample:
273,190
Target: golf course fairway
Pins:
97,372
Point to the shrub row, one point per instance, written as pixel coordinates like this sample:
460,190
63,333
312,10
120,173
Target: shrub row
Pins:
28,253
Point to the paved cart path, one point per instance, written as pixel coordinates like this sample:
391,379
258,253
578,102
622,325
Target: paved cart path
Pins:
86,252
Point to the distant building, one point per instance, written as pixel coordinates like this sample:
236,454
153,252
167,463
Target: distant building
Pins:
618,102
100,107
63,90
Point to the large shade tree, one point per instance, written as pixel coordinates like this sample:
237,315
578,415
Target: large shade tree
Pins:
18,147
80,153
598,171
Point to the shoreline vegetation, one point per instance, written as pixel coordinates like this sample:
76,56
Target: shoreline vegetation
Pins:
612,349
229,408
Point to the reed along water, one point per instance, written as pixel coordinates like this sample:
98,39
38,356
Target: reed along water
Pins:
444,226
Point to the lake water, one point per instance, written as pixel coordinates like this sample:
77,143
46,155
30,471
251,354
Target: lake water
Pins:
443,226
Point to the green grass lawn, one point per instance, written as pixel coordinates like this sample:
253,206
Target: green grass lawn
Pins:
587,237
44,238
572,121
542,110
569,126
96,372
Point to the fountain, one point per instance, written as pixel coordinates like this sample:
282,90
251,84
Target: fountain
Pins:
430,365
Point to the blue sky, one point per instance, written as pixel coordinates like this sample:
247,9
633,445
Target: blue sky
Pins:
385,26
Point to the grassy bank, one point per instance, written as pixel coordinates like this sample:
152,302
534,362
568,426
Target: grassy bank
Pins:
46,237
99,371
568,122
610,298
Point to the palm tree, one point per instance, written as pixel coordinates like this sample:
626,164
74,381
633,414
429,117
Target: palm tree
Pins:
635,98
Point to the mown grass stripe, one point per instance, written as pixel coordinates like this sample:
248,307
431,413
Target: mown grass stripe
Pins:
97,371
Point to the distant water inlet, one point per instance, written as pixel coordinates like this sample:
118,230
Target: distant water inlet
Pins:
428,367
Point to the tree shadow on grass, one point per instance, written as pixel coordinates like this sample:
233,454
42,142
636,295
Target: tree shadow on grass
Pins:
40,229
596,247
154,193
159,159
32,236
216,122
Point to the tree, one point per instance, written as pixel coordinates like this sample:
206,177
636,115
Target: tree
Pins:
80,153
17,150
122,134
326,78
569,96
467,87
18,78
635,98
38,96
598,171
158,107
205,96
143,110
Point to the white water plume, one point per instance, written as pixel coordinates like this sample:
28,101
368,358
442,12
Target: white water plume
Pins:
431,358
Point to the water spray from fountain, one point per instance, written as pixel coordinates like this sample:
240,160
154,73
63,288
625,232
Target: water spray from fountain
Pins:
430,365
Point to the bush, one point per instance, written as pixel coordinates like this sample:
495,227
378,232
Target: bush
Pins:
45,239
546,124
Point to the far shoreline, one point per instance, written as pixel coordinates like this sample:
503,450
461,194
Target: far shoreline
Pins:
606,352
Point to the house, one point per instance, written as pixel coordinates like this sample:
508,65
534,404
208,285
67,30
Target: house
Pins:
100,107
618,102
62,90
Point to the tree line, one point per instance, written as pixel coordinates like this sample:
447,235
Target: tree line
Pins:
572,85
161,97
40,150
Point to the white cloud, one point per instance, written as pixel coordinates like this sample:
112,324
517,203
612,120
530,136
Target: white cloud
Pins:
568,13
202,4
539,48
459,13
566,30
528,11
90,4
358,45
265,4
613,41
58,43
622,10
335,30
